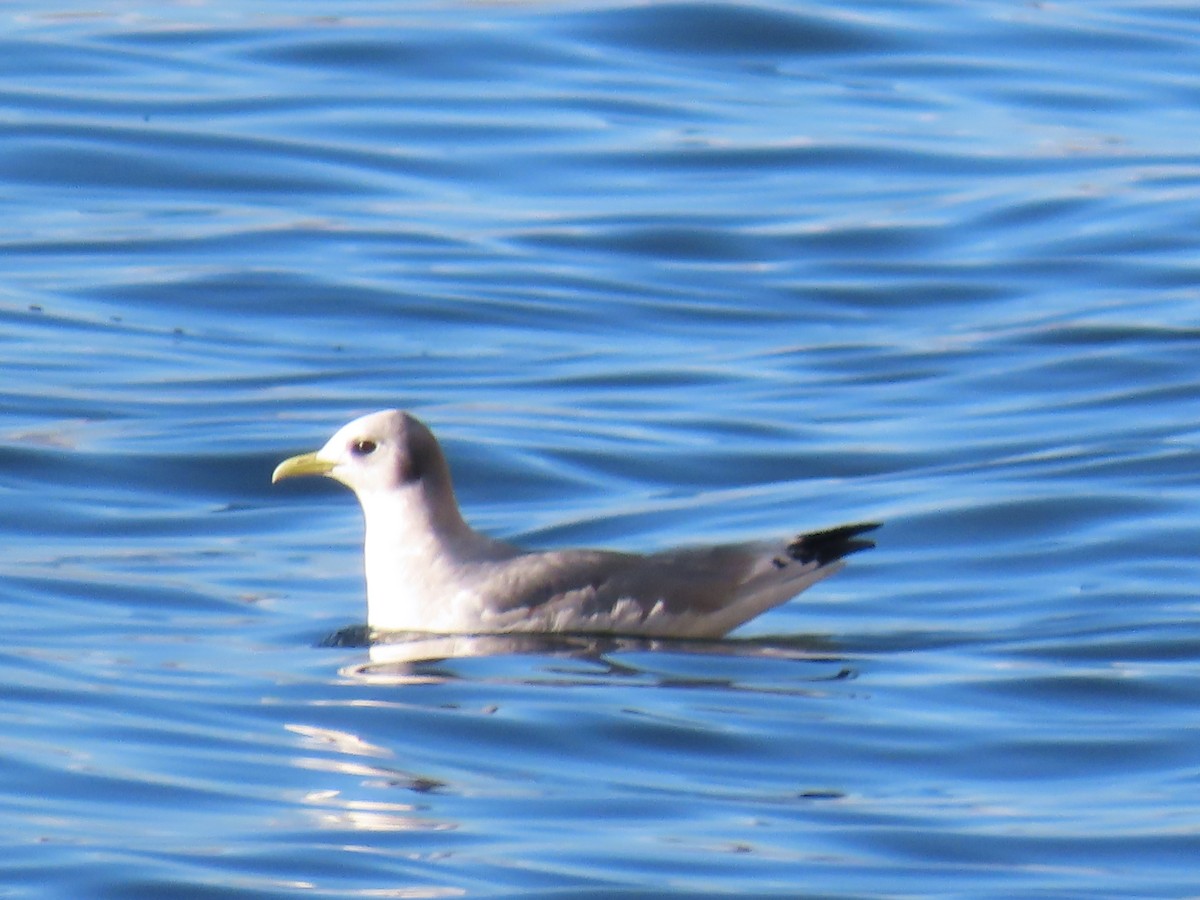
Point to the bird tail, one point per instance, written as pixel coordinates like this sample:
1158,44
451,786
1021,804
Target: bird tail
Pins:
825,547
778,578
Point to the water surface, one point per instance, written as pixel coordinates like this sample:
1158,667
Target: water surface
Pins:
656,273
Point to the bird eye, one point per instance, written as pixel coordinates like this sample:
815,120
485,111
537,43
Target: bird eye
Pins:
362,448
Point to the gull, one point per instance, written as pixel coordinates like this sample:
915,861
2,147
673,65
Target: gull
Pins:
428,571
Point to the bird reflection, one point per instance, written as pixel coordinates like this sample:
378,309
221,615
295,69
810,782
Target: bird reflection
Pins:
418,658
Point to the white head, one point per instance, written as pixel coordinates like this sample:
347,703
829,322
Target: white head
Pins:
414,530
380,454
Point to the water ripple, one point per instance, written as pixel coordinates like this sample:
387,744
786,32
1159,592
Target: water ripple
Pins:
657,273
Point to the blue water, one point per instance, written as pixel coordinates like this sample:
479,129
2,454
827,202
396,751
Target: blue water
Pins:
657,273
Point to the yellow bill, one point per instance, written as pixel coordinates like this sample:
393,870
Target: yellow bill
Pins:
305,464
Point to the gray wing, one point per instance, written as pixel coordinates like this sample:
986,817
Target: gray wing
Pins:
690,592
608,592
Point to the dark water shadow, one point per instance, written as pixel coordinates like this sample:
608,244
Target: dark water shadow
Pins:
411,657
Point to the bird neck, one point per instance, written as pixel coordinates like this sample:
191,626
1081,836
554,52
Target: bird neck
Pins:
412,548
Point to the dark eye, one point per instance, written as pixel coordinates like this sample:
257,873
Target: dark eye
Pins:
362,448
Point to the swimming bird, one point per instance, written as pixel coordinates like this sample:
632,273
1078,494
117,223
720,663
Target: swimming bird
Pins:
427,570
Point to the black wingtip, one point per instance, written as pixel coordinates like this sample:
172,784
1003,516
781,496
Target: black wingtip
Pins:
825,547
